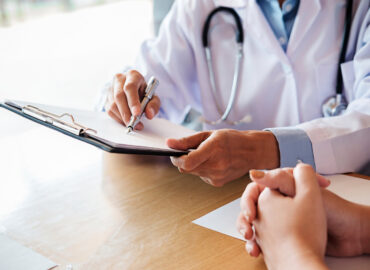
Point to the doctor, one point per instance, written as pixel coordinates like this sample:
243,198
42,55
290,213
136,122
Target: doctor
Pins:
288,64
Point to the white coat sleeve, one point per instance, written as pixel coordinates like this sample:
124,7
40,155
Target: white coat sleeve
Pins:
342,144
170,58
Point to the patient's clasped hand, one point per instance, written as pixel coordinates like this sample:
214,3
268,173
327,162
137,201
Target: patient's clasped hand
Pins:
289,217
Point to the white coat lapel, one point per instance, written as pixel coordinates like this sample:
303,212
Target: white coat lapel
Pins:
307,14
257,26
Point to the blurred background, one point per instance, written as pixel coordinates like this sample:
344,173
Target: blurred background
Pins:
62,52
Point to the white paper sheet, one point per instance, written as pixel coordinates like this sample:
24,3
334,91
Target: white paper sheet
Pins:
14,256
154,134
353,189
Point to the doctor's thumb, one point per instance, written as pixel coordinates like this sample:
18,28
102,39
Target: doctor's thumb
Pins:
191,142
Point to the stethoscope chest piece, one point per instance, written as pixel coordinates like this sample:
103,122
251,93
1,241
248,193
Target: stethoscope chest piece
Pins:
334,106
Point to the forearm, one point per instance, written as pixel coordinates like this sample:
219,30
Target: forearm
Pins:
295,253
365,229
303,261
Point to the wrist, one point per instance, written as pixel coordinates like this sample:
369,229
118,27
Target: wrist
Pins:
300,260
269,154
365,229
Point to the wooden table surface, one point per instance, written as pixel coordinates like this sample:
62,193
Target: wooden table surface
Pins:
76,205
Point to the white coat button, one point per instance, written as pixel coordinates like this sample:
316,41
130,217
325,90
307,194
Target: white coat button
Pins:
288,7
282,40
287,69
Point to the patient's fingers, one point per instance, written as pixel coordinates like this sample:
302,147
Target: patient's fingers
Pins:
248,202
282,180
279,179
323,181
244,227
252,248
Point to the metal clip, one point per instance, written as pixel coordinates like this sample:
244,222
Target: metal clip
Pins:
56,120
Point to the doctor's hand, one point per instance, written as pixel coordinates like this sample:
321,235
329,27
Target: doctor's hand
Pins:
224,155
124,98
290,231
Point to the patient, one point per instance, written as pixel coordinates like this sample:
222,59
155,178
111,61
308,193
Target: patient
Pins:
294,222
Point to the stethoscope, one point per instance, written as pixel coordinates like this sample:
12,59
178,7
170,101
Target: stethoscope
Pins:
333,106
337,104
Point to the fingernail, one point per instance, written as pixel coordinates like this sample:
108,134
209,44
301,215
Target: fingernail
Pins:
151,112
257,174
249,247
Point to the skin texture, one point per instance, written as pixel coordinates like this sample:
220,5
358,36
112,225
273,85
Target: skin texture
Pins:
283,236
124,98
348,224
224,155
219,156
281,180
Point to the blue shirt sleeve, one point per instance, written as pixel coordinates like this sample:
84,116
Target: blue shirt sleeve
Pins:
294,146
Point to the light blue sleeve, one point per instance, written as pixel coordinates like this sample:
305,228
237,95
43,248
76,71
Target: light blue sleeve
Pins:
294,146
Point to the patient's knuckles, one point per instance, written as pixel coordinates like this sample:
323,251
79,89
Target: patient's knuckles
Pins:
264,197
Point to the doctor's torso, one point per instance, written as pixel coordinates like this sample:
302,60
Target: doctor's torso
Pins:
276,88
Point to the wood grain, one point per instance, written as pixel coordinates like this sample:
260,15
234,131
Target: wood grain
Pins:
77,205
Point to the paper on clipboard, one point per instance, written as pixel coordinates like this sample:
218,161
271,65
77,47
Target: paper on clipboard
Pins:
108,131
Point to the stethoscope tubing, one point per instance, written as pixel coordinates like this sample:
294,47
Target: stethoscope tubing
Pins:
337,107
238,65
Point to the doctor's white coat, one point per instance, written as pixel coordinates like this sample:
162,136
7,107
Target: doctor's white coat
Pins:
277,89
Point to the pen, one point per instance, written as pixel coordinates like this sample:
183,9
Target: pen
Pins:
149,93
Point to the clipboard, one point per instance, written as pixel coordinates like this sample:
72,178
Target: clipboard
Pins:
70,122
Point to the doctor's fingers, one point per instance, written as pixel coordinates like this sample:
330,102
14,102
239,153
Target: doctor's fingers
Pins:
179,163
203,174
134,88
196,158
152,108
190,142
113,112
215,181
120,97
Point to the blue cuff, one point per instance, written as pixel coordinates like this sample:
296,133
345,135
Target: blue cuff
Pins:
294,146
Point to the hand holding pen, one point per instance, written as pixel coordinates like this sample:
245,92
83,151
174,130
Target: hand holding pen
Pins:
149,93
123,99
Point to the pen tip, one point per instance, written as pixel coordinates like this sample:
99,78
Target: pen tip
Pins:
129,129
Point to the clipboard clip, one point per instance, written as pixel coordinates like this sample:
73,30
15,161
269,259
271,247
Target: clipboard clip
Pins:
57,120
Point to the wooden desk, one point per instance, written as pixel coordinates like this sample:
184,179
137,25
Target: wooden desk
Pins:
76,205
